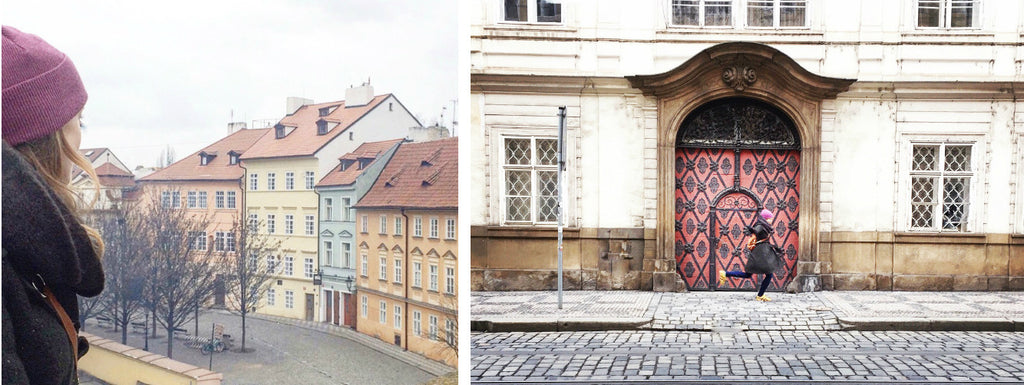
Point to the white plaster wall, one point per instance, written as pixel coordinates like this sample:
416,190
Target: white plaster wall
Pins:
860,180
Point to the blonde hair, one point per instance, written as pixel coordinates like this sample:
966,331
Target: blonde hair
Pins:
47,155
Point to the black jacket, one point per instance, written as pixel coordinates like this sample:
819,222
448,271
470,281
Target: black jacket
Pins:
763,259
41,240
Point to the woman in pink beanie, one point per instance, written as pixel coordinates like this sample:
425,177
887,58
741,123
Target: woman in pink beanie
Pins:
49,256
763,257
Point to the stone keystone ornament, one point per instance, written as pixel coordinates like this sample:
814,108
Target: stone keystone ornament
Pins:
739,80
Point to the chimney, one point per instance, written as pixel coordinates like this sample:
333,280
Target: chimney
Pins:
358,96
235,126
293,103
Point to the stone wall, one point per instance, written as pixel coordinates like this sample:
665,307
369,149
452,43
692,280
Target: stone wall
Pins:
118,364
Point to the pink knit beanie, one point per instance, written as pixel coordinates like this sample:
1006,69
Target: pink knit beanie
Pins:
767,214
41,88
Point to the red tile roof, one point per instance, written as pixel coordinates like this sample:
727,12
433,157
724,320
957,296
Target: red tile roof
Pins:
371,150
189,168
303,140
92,153
109,169
420,175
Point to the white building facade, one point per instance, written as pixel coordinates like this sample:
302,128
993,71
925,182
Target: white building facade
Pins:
885,135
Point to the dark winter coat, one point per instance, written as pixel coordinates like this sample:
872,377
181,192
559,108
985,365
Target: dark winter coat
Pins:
41,238
763,259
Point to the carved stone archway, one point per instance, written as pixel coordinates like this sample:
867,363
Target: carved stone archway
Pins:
754,71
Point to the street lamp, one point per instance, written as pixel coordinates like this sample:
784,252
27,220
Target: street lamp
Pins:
318,278
348,283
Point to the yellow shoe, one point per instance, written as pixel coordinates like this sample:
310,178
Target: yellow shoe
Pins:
763,298
721,278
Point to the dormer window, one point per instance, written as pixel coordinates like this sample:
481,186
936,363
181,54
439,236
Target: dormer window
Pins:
321,126
281,130
363,162
206,157
325,111
233,157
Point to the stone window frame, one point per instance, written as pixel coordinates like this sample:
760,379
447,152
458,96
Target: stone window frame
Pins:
500,167
976,194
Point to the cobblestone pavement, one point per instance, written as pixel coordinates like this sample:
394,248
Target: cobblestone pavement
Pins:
540,306
738,310
284,354
925,305
758,356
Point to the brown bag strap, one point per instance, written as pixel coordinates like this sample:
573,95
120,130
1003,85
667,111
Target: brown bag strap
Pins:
69,327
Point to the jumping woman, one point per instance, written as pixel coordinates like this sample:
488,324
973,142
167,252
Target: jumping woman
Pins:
763,258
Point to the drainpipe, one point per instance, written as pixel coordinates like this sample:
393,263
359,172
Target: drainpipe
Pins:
405,282
319,266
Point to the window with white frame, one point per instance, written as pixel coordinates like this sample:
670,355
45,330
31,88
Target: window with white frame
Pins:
254,181
398,317
383,224
433,228
433,277
271,181
417,274
531,183
254,222
201,199
271,297
449,228
383,259
398,267
289,180
398,225
219,242
307,268
449,331
271,224
433,328
364,270
289,299
229,240
777,13
198,240
365,222
948,13
175,199
165,199
346,209
289,224
449,280
310,225
417,226
231,199
192,203
289,265
328,253
271,264
940,186
309,180
218,198
346,255
532,11
702,13
328,209
417,319
383,312
365,305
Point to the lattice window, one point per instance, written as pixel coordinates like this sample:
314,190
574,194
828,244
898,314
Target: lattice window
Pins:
531,184
940,182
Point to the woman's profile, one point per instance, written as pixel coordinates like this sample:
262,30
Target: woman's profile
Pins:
49,256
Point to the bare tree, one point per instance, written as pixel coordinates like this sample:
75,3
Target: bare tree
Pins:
450,336
181,269
124,266
247,271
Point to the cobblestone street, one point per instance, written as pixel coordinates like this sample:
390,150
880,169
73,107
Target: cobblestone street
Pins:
776,356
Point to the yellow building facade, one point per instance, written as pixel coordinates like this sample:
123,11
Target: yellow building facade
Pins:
279,195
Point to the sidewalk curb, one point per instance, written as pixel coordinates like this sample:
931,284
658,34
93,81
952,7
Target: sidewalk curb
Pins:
932,324
558,325
420,362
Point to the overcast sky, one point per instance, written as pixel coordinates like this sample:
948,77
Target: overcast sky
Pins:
172,73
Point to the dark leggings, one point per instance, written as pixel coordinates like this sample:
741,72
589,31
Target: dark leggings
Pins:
743,274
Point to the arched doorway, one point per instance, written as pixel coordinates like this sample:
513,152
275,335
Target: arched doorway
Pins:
734,156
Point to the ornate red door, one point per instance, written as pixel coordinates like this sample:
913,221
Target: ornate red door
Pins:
734,157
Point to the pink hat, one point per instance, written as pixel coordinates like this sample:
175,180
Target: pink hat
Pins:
41,88
767,214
